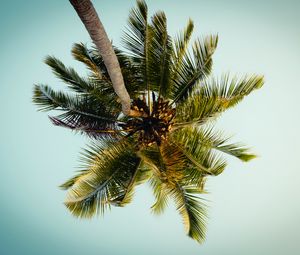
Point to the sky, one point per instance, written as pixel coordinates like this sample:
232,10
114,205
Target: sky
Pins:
254,208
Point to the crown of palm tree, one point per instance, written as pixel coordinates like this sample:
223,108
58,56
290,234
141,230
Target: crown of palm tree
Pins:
172,144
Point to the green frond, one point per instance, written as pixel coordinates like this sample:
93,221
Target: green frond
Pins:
150,48
69,183
47,99
161,195
111,177
80,113
152,158
192,210
201,158
230,91
96,85
81,53
190,207
160,52
214,97
180,44
174,159
210,139
193,70
136,35
144,174
197,109
136,38
135,180
69,75
166,161
192,176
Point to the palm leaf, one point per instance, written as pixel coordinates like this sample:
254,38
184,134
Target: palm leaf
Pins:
69,183
161,195
208,138
98,85
81,53
200,156
150,47
152,159
170,160
136,39
215,96
192,210
197,110
112,171
160,52
144,174
167,164
193,70
180,48
231,91
81,113
69,75
166,161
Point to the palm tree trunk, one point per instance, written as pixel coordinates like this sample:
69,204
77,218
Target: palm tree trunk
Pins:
90,19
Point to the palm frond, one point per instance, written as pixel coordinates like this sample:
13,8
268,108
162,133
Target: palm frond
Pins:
197,109
98,84
192,210
87,127
81,53
231,91
69,183
136,40
47,99
160,52
81,113
150,47
181,189
180,45
215,96
69,75
200,157
144,174
152,159
161,195
193,70
209,138
112,171
135,37
166,161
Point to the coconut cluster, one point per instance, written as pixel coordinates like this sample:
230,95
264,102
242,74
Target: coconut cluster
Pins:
153,126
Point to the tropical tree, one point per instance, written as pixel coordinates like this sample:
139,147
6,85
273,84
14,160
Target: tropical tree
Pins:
172,144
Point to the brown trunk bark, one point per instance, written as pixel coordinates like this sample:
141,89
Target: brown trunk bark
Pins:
90,19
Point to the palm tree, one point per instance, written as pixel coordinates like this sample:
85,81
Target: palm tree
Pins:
172,144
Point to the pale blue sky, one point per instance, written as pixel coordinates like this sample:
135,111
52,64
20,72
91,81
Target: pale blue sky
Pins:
254,207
